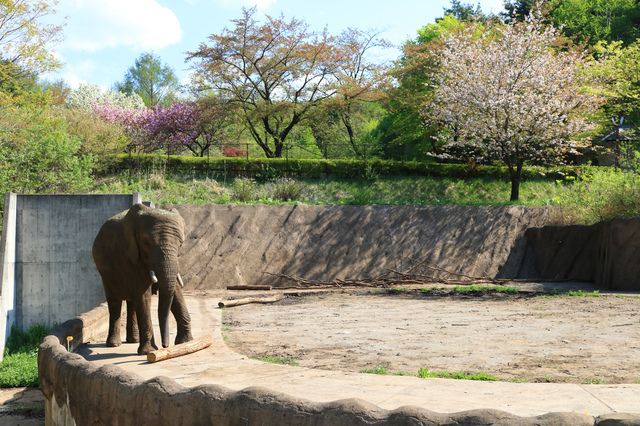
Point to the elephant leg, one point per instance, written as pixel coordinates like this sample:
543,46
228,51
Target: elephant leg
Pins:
183,319
115,310
143,312
132,323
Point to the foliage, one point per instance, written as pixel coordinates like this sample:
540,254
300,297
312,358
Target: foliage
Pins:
155,82
592,21
88,95
603,194
359,77
464,12
269,168
25,37
96,136
619,69
20,361
413,74
510,97
37,155
169,128
273,73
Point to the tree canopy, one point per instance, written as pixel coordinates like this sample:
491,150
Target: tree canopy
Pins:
509,96
156,83
273,74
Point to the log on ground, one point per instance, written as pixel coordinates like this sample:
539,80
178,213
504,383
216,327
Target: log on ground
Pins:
181,349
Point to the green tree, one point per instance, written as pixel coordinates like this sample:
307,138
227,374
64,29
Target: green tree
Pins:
359,76
37,155
619,71
155,82
403,131
271,74
464,12
592,21
518,9
25,40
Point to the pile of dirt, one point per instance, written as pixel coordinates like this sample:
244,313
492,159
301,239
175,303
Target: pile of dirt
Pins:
235,244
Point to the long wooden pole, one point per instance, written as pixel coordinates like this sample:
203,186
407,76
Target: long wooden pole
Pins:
238,302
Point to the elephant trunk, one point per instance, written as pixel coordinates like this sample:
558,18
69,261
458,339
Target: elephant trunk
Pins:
167,276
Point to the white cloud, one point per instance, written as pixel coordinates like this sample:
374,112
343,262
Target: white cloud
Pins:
98,24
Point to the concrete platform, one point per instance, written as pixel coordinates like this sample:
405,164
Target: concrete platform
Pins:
221,366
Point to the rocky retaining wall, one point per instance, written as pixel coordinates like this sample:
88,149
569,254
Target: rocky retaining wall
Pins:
606,253
79,392
236,244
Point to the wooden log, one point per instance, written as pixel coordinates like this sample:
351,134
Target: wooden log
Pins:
247,300
181,349
248,287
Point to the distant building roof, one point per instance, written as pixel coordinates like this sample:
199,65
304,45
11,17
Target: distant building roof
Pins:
626,133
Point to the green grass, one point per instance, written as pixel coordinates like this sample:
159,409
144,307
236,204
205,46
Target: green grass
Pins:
375,370
276,359
460,375
425,373
497,289
20,362
571,293
392,190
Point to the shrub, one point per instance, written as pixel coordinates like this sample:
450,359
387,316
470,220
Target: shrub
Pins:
286,189
600,195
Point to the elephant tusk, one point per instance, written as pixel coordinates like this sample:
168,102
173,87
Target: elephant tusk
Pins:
180,280
153,276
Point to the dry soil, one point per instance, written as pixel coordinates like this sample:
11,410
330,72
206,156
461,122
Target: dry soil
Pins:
515,337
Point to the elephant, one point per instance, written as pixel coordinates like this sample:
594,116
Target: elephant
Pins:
136,253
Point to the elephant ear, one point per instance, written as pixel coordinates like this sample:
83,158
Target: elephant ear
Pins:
129,231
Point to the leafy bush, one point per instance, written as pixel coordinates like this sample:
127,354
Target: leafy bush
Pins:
286,189
38,155
20,363
602,194
244,189
96,136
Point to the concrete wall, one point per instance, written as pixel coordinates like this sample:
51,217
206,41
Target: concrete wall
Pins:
47,270
79,392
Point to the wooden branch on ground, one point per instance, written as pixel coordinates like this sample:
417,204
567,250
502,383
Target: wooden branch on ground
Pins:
245,301
249,287
181,349
405,279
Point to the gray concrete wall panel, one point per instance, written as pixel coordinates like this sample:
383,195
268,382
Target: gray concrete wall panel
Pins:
48,274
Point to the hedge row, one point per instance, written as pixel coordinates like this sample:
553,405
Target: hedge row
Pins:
268,168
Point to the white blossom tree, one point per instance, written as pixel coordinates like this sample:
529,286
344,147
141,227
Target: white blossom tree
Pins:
511,95
87,95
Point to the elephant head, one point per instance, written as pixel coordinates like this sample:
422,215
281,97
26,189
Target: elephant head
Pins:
153,238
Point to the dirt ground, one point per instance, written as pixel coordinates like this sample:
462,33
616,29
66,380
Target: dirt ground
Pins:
509,336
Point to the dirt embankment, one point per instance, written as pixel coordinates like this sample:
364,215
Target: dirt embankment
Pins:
235,244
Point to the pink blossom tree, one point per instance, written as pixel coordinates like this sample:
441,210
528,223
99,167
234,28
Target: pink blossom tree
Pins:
133,122
172,128
511,95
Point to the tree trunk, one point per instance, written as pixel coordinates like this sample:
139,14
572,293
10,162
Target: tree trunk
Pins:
516,177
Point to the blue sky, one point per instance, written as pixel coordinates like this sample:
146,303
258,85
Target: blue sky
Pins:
104,37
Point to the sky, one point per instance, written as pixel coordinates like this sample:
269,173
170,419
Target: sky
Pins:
103,38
